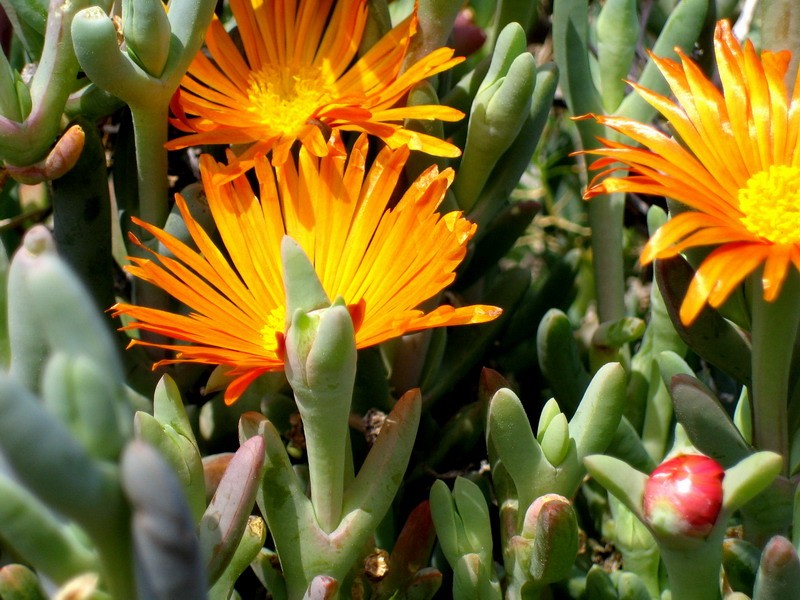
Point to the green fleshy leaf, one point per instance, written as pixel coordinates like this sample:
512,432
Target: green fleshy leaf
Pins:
474,579
598,415
290,515
167,553
639,550
631,587
748,478
510,434
627,445
740,560
226,518
39,538
599,585
89,402
147,32
555,544
617,37
250,544
560,360
474,513
182,455
266,566
706,422
303,288
168,408
743,416
711,336
556,441
549,411
448,523
619,478
370,495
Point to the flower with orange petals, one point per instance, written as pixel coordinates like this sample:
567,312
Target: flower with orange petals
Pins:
384,259
735,166
299,78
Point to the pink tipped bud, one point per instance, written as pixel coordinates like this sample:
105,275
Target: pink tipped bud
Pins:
683,496
532,514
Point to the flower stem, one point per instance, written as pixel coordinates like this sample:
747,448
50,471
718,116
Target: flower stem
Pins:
605,219
150,133
150,125
694,574
773,337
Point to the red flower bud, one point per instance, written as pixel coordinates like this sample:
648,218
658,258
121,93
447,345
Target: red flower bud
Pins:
683,496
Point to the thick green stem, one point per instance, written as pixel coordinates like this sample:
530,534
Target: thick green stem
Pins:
82,218
150,133
605,219
321,368
327,448
774,332
694,574
570,40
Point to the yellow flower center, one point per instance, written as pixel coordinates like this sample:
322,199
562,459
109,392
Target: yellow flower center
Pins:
285,98
770,203
274,325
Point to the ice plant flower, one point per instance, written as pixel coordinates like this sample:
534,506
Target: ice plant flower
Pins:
735,167
683,496
299,78
384,259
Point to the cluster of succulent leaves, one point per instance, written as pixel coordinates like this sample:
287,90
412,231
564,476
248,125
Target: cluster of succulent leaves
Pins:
117,482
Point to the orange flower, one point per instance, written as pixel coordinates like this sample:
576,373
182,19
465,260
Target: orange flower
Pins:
382,261
736,168
298,79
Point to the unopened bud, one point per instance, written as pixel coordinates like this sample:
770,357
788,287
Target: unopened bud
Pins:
683,496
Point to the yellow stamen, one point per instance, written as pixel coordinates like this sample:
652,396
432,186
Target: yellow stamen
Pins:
284,98
275,323
770,203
